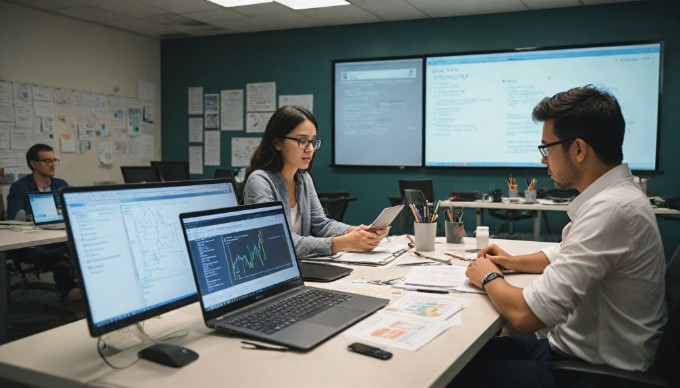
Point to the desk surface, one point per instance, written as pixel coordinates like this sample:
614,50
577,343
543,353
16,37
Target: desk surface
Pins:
23,237
67,356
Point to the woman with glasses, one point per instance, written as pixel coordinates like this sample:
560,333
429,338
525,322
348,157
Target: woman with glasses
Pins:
279,171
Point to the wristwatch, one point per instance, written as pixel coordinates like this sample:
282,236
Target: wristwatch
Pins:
489,277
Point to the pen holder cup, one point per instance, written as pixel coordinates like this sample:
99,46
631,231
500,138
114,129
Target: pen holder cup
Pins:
455,231
425,233
513,193
530,196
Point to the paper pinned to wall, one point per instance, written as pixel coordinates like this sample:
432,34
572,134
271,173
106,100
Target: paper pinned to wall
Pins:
195,129
212,110
212,148
231,113
242,149
67,142
195,160
304,100
261,97
5,130
105,153
257,122
146,90
195,100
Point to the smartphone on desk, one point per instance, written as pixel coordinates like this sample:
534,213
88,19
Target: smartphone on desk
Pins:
386,217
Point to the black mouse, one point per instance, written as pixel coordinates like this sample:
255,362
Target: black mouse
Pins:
168,354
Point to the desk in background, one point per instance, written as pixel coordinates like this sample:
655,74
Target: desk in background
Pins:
536,208
21,237
67,356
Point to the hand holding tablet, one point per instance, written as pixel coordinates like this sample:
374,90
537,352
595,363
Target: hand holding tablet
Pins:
386,217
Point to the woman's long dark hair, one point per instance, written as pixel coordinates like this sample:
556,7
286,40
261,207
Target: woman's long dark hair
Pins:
282,122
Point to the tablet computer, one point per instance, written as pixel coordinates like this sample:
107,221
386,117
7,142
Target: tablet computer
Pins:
386,217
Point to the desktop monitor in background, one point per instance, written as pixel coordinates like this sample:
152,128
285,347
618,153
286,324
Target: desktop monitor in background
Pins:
129,250
139,174
172,171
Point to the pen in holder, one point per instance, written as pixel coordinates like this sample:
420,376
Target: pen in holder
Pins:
454,227
530,192
425,226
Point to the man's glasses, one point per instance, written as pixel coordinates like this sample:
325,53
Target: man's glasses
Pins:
543,148
49,162
304,142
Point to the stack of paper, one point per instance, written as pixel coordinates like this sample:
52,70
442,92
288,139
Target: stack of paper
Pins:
449,278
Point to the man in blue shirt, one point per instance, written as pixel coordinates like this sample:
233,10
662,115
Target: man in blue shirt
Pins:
42,162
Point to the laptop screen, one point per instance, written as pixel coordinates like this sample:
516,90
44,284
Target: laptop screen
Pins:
240,253
129,247
46,207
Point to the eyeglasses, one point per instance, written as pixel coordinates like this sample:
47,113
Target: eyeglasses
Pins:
304,142
543,148
49,162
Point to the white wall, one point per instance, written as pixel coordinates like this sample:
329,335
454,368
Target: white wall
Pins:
45,49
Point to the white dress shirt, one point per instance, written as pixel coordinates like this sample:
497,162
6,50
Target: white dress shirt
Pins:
602,296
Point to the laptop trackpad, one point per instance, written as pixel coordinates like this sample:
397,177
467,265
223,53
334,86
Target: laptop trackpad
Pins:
336,317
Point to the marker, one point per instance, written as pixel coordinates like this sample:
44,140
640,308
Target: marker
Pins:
430,290
457,256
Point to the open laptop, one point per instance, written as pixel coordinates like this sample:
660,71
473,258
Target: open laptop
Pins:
46,210
245,267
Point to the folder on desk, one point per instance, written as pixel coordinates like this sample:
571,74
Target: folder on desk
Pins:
384,254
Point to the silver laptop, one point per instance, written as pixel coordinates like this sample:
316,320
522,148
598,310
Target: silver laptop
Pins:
249,282
46,210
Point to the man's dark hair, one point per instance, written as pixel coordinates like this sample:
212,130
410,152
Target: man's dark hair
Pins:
587,113
33,153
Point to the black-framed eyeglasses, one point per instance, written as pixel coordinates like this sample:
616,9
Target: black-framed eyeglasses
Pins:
49,162
303,142
543,148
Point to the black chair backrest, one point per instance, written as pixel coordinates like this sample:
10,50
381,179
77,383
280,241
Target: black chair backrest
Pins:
424,185
172,171
224,173
139,174
335,204
667,361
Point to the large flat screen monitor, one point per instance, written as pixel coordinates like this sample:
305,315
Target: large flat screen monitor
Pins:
478,106
377,112
129,249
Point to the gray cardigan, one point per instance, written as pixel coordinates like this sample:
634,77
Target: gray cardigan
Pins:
317,229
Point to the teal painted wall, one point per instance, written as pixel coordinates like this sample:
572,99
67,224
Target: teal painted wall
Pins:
299,61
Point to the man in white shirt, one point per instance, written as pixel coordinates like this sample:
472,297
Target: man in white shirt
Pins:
600,294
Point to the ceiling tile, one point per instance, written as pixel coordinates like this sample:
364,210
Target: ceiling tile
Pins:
390,10
90,14
215,16
247,25
340,15
131,8
181,6
257,10
49,5
290,21
141,27
443,8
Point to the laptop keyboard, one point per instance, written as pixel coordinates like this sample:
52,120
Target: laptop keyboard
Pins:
281,314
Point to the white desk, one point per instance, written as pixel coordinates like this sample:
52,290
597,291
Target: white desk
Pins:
536,208
14,239
66,356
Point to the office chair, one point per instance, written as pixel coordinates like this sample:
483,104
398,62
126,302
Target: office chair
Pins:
139,174
172,171
335,204
664,372
510,216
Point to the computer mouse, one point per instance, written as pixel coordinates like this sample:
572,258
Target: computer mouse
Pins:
168,354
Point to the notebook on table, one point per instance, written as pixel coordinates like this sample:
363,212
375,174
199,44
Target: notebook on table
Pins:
46,210
249,282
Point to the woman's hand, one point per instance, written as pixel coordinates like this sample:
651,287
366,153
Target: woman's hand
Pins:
358,238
